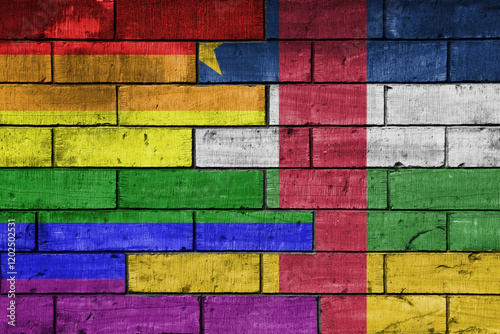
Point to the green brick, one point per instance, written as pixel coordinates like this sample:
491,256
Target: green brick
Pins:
120,216
18,216
186,188
474,231
455,189
57,189
376,189
253,217
405,231
273,188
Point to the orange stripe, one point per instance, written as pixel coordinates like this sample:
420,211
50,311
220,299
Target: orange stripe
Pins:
125,48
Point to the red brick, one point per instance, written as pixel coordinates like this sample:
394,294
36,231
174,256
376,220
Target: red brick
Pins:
295,61
294,147
340,61
339,147
341,230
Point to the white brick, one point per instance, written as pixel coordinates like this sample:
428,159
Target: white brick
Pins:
274,105
375,104
418,147
241,147
443,104
474,147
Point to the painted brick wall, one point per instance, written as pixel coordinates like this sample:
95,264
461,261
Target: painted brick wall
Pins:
250,166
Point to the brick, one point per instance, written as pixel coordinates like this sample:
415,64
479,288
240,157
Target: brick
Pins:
323,188
469,231
449,273
25,147
194,273
401,61
194,20
33,314
67,273
339,147
192,105
254,231
115,230
464,65
294,147
473,147
446,19
246,147
270,273
61,19
374,314
330,273
337,104
443,104
258,314
25,62
295,61
340,61
24,230
190,189
321,19
124,62
57,189
122,147
48,105
474,313
380,231
469,189
113,313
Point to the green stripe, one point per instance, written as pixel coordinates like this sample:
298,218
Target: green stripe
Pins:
185,188
273,188
455,189
19,217
121,216
376,189
405,231
253,217
475,231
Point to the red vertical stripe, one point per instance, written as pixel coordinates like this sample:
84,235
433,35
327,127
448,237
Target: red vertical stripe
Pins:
339,147
340,61
294,147
343,314
295,61
341,230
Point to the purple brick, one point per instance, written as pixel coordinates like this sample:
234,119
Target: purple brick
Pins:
33,315
260,315
127,314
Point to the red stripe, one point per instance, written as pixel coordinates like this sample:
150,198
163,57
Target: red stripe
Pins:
125,48
343,314
322,104
24,48
295,61
340,61
341,230
294,147
190,19
322,273
339,147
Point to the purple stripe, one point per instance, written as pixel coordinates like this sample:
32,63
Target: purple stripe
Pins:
127,314
260,315
65,285
33,314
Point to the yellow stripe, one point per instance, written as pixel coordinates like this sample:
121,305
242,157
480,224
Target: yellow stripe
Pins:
406,314
122,147
474,314
194,273
443,273
25,147
192,105
52,105
374,273
125,68
25,68
270,273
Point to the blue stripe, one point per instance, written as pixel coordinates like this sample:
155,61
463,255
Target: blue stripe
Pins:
475,61
115,236
273,19
406,61
24,236
442,19
66,265
254,236
374,18
244,62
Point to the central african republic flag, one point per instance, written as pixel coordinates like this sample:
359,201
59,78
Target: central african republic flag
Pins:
249,166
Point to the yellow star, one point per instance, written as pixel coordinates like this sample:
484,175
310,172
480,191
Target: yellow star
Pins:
207,56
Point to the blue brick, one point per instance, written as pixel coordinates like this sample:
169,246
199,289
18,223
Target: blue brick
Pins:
475,61
24,230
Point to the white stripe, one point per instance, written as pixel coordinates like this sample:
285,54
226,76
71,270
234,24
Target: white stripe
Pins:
474,147
375,104
241,147
274,105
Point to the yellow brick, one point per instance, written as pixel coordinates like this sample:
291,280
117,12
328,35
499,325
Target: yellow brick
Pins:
122,147
474,314
406,314
125,68
270,273
443,273
25,68
192,105
57,105
25,147
374,273
194,273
